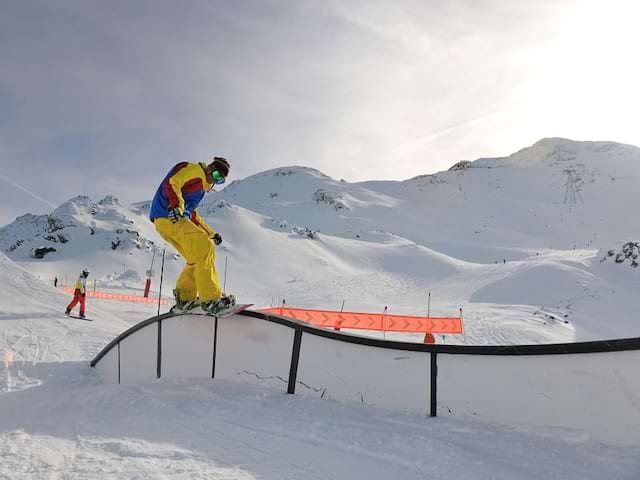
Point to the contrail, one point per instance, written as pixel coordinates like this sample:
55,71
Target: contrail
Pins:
27,191
453,128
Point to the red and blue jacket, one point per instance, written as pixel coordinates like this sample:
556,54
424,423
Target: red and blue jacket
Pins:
183,188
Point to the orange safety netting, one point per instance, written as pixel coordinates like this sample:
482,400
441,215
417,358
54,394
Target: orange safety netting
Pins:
371,321
120,296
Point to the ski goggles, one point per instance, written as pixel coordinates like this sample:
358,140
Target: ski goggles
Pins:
217,176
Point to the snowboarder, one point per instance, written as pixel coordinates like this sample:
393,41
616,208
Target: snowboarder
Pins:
174,214
79,294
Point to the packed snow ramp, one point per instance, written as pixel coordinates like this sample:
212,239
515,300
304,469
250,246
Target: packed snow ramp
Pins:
591,386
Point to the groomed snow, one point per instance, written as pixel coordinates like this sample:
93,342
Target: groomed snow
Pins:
57,420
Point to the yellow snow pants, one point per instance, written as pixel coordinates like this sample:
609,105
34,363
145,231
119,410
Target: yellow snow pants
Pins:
198,278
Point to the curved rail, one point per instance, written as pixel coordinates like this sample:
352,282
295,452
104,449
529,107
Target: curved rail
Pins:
599,346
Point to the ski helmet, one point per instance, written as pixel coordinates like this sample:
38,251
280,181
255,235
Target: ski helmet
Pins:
85,273
221,165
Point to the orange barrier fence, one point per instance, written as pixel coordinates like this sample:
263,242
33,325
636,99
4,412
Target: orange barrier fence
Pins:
371,321
119,296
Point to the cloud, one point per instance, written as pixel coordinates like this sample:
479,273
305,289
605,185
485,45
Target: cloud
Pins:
100,97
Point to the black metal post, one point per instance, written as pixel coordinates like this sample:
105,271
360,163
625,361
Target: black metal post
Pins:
434,384
161,277
159,356
295,357
215,347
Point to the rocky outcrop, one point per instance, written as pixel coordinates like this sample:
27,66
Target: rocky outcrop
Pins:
628,254
332,199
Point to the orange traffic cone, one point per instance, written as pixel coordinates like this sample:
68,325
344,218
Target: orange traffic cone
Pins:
429,338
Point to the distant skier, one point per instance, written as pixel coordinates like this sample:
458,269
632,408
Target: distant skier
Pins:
79,294
55,282
174,214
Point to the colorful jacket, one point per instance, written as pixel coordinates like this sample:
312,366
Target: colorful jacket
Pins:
183,188
81,285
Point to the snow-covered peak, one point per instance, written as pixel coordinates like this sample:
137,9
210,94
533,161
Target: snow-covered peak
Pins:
109,200
74,206
280,187
77,227
292,170
557,151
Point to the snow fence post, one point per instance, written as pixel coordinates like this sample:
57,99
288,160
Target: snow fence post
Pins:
434,384
295,357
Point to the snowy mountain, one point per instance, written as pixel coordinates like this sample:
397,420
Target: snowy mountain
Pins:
82,233
495,236
555,194
518,242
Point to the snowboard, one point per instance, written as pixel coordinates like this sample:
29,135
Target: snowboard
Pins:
222,313
227,312
77,317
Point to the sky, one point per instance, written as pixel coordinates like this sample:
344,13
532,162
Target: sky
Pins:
102,98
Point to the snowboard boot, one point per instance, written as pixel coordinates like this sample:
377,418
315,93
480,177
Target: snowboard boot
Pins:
67,312
213,307
82,316
182,306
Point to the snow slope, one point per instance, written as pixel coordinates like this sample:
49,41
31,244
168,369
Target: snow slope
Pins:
516,242
58,421
33,327
488,210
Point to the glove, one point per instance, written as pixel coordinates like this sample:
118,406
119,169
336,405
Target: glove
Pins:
217,239
174,214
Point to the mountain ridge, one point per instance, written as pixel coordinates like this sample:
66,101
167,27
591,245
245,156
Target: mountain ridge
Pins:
466,235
